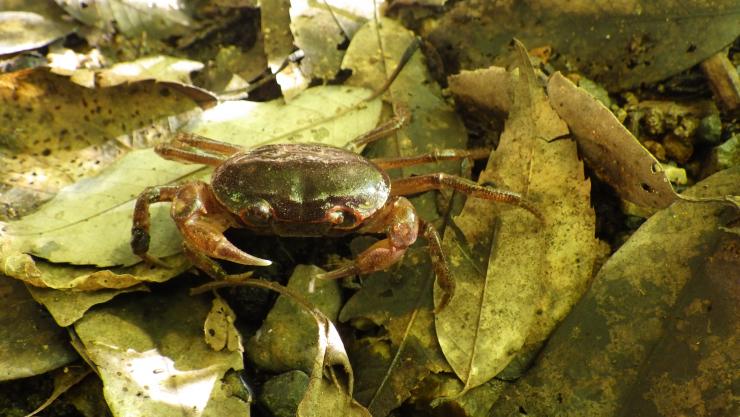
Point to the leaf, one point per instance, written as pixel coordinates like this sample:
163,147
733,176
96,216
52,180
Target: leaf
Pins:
70,132
150,353
21,31
611,150
389,367
64,379
663,38
516,277
103,205
287,338
278,43
331,381
66,307
219,328
30,343
157,19
644,333
160,68
325,397
319,28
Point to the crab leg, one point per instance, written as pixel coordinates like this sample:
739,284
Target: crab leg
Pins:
440,180
202,222
434,156
187,147
206,144
140,230
398,220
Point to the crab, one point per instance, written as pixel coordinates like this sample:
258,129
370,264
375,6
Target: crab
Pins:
305,190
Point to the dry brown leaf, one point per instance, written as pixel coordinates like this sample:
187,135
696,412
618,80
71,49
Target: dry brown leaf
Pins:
516,277
657,329
611,150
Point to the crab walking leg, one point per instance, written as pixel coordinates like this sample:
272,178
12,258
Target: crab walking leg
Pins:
175,153
206,144
440,180
439,263
399,221
434,156
140,237
202,223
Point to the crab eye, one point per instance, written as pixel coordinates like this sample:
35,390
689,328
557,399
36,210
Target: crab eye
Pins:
258,213
342,218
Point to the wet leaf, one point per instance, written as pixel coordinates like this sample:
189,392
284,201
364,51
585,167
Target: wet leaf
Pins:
611,150
130,17
287,338
388,368
150,353
516,277
57,132
30,343
22,31
644,333
663,38
103,205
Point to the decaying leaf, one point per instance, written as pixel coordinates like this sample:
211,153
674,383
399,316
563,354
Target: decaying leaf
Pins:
611,150
219,328
620,45
132,17
287,338
275,20
150,353
57,132
389,367
489,88
21,31
515,276
159,68
331,382
30,343
103,205
319,28
657,329
64,379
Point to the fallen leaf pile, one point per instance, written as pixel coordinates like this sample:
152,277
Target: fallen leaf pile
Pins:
552,312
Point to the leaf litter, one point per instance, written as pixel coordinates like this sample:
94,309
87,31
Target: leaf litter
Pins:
403,360
515,275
